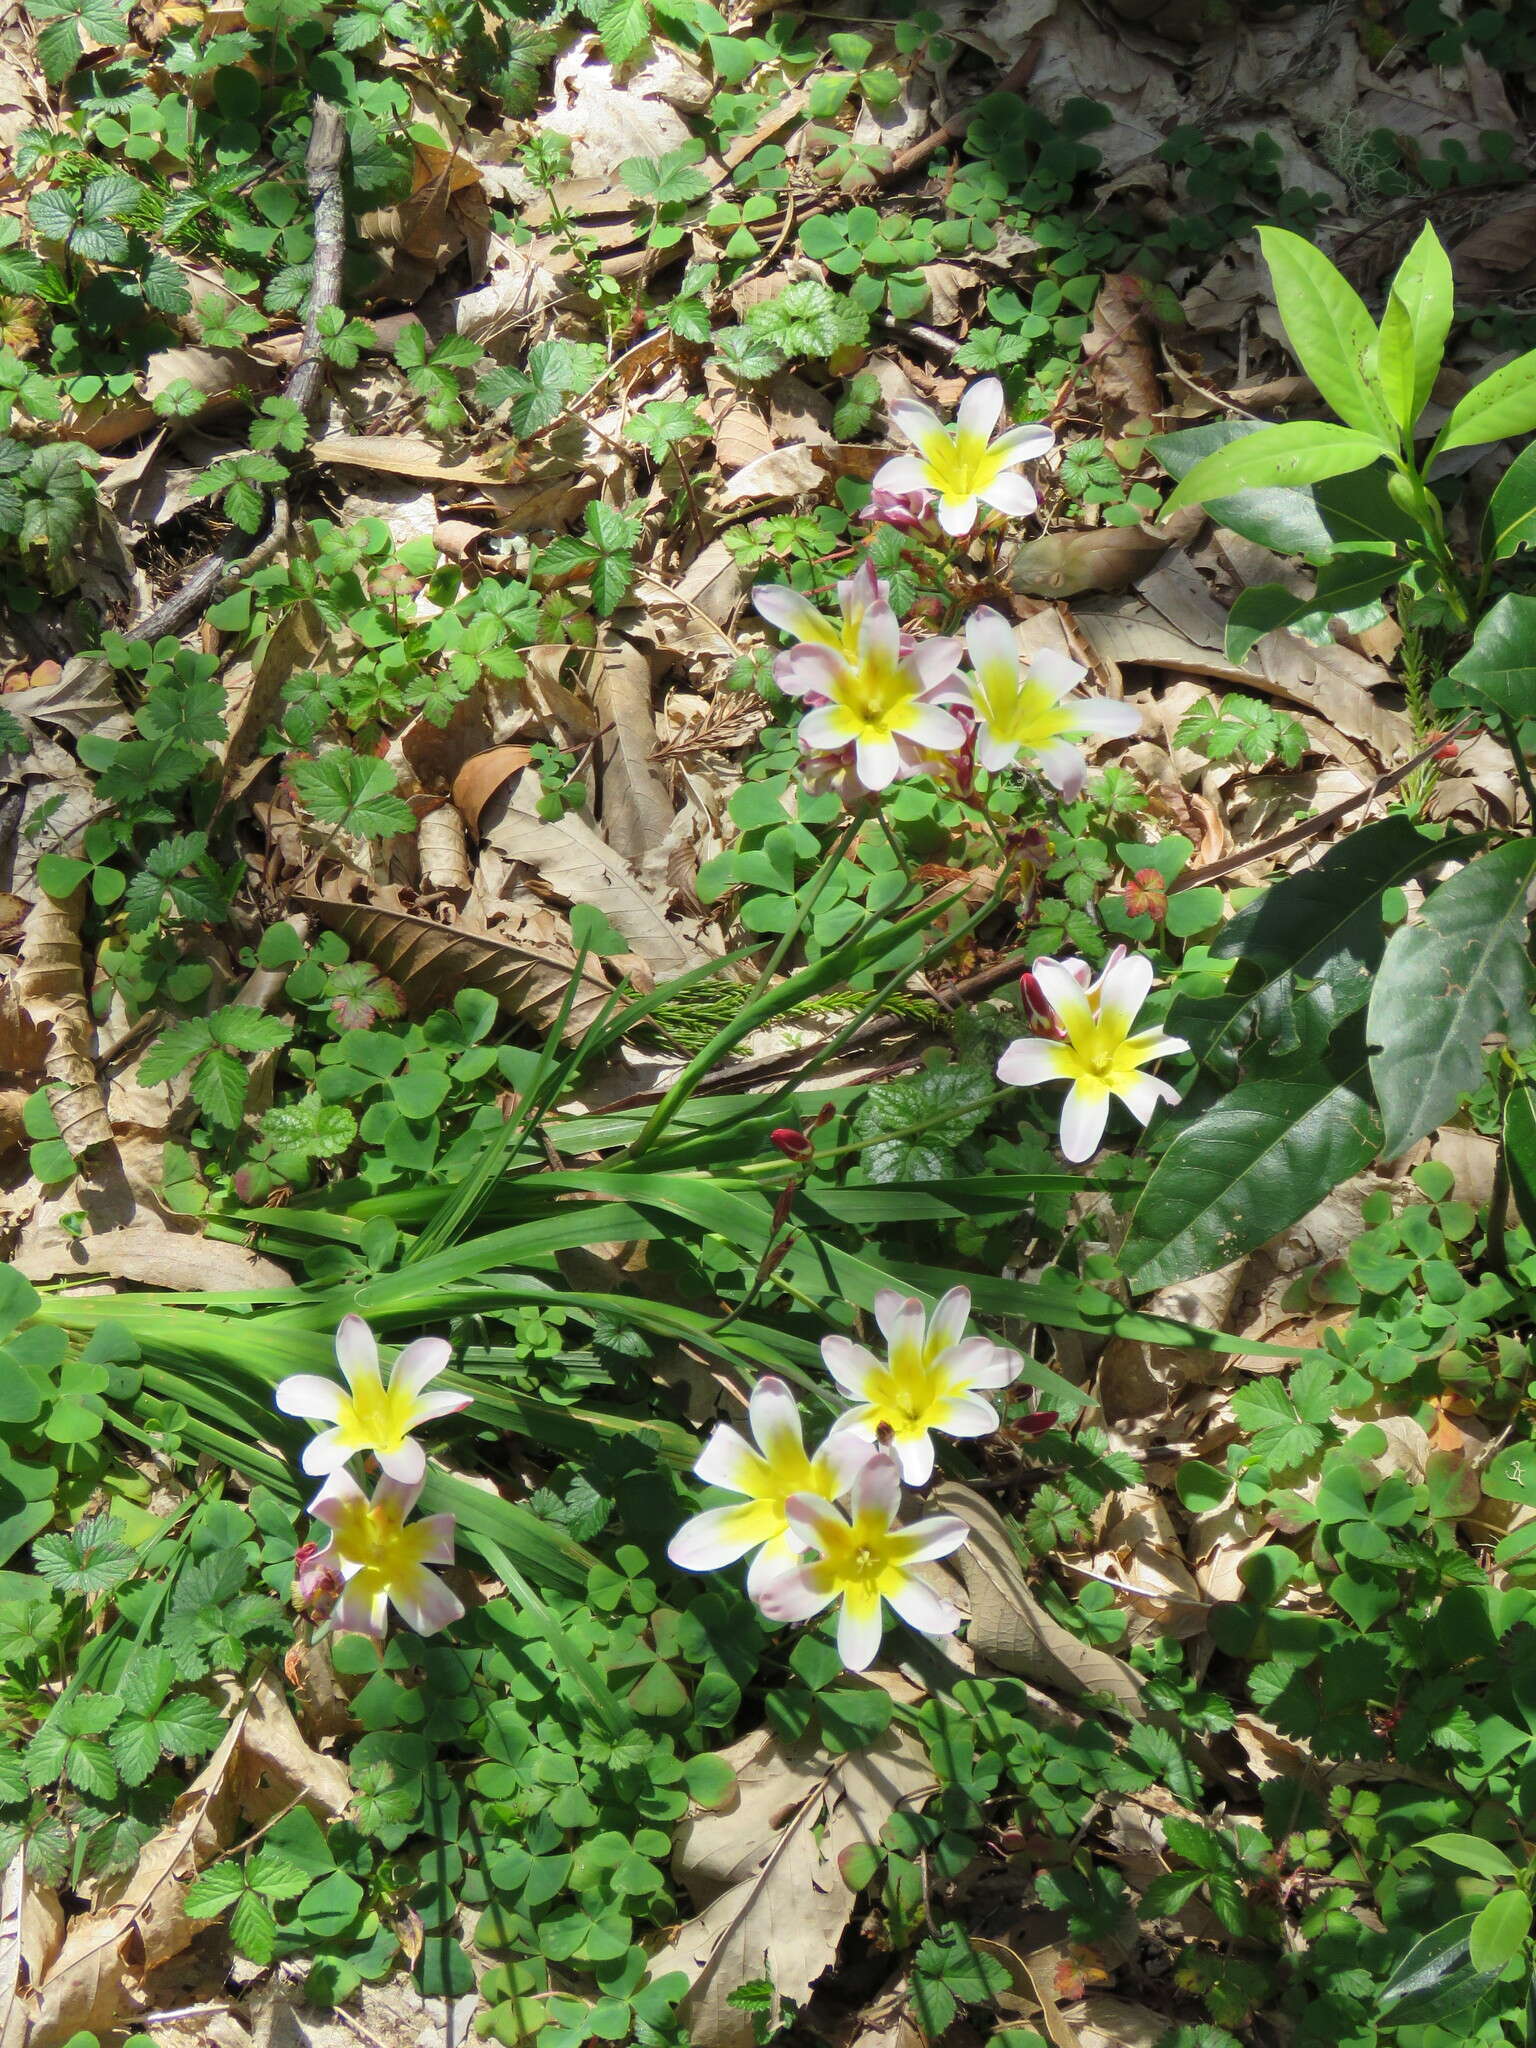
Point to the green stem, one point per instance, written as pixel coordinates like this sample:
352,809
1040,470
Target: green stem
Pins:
1498,1200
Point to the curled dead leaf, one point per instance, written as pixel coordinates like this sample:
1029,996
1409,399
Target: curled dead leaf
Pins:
51,991
480,778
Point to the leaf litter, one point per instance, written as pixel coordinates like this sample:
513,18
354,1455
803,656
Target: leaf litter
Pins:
652,718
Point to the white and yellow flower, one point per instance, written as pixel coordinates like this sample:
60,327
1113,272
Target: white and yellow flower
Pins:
766,1473
929,1379
1099,1051
793,612
964,466
875,693
370,1413
381,1557
1025,709
865,1563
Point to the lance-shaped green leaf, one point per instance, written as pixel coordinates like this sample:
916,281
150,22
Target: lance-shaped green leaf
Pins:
1333,336
1349,585
1314,940
1512,508
1500,665
1317,521
1501,405
1414,326
1248,1168
1300,452
1448,980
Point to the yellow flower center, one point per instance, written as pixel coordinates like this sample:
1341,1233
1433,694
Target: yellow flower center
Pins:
907,1390
865,1558
874,694
376,1418
373,1535
1020,711
1102,1056
962,464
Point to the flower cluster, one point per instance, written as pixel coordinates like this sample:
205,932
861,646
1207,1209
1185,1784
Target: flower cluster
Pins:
882,704
821,1526
377,1557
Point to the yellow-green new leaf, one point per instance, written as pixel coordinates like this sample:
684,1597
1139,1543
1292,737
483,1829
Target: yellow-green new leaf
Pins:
1331,333
1413,328
1501,405
1499,1931
1300,452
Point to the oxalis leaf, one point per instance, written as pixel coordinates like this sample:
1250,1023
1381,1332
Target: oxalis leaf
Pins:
1248,1168
1445,983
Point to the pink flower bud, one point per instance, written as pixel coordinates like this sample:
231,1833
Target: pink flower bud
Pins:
1038,1012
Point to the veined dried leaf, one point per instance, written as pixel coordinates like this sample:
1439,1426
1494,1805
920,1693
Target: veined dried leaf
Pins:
785,1917
1008,1624
636,805
146,1252
571,859
431,962
787,472
401,455
1096,558
51,989
482,775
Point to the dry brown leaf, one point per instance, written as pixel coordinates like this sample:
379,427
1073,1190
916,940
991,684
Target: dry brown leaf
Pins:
579,867
432,962
635,805
787,472
31,1924
1118,352
401,455
1500,256
1100,2022
1063,564
785,1917
482,775
146,1252
274,1764
51,990
1008,1625
441,850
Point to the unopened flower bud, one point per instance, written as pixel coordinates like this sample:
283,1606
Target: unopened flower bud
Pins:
793,1144
1041,1017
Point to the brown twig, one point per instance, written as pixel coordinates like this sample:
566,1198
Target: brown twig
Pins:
908,159
1309,828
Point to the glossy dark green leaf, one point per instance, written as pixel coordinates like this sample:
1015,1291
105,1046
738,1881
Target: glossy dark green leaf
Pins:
1344,585
1520,1152
1247,1169
1434,1978
1313,521
1446,981
1512,508
1500,665
1315,938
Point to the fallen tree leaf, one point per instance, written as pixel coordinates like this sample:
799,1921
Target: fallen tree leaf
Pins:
784,1918
635,804
1010,1628
51,989
146,1252
440,849
431,962
482,775
576,864
787,472
401,455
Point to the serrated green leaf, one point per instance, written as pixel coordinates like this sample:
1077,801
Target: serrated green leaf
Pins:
218,1086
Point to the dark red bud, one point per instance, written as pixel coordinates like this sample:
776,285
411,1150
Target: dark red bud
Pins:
1038,1012
792,1143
